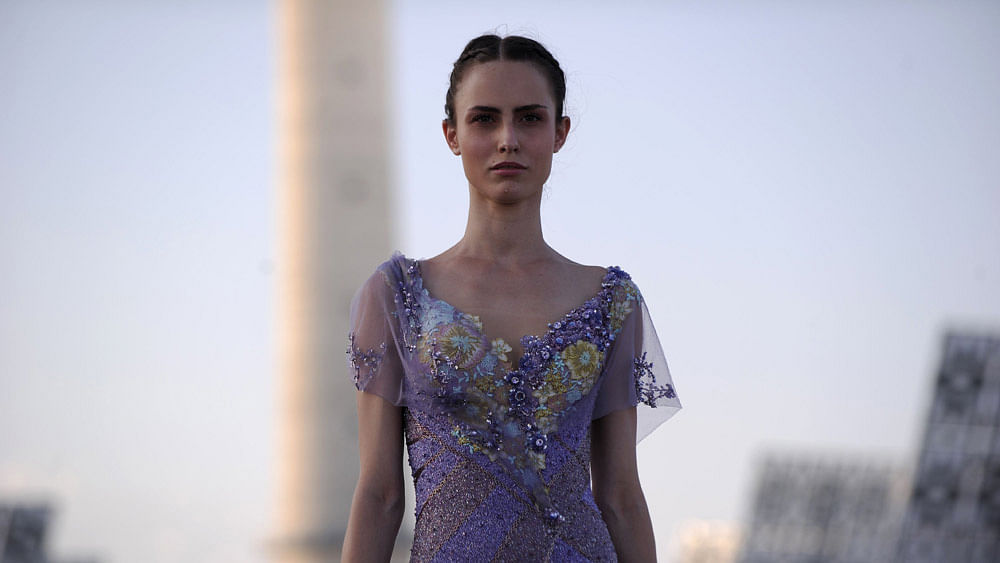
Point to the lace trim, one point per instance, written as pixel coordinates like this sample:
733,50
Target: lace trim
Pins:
646,388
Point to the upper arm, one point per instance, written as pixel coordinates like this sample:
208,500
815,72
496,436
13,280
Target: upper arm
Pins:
613,463
378,374
380,445
377,369
377,506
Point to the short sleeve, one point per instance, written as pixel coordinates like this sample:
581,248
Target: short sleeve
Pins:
373,354
635,370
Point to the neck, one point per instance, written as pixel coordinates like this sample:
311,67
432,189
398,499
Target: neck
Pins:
504,232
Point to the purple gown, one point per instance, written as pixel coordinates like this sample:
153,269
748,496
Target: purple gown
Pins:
499,446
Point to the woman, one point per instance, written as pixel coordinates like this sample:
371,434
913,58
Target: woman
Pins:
503,429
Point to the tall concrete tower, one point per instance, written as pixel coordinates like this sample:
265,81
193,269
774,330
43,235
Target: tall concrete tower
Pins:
334,208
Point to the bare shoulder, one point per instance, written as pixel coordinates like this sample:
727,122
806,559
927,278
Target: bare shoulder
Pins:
584,279
582,271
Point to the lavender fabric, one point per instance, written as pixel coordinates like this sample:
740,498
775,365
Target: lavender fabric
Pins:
499,446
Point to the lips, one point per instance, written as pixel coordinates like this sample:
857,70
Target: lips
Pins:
507,165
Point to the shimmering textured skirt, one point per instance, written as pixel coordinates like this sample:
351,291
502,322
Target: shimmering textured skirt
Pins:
469,509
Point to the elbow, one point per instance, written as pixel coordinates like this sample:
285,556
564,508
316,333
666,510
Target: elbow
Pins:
627,518
391,507
622,506
376,513
386,502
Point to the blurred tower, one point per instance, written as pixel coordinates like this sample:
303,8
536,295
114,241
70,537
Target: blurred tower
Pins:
25,531
334,213
954,510
825,509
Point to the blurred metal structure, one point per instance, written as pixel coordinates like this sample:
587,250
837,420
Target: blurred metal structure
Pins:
954,511
334,228
825,509
24,531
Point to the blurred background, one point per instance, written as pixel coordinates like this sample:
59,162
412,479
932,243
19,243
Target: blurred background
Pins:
807,194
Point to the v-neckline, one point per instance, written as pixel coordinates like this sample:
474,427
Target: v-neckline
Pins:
418,270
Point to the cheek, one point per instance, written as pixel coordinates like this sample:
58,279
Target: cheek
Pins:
474,157
475,147
540,137
543,146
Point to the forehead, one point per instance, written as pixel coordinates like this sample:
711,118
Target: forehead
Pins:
503,83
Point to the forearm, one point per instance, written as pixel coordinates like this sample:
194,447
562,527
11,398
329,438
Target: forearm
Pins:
630,527
373,525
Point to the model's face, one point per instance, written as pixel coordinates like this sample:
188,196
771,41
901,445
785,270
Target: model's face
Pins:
506,130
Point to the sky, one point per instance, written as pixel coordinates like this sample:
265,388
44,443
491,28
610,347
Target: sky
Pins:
807,196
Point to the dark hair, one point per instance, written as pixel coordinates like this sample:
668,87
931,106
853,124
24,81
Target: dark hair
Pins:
486,48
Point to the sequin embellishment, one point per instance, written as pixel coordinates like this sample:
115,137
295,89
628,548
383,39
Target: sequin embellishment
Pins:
369,360
499,445
507,412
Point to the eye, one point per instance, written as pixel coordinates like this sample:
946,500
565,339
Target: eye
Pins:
481,118
531,117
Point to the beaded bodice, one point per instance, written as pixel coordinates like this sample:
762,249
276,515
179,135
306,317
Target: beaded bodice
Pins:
514,424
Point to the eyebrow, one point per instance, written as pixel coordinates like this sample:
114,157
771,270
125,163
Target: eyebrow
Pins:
491,109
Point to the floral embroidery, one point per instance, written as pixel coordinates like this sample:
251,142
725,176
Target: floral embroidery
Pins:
406,300
370,359
621,307
462,345
504,411
466,441
645,383
500,349
583,360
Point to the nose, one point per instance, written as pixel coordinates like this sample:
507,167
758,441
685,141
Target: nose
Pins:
507,142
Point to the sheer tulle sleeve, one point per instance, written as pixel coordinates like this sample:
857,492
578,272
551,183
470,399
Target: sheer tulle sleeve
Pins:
374,353
636,373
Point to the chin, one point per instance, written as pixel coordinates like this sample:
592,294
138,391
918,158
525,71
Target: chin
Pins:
510,194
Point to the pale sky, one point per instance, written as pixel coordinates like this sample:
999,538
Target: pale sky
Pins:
808,196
